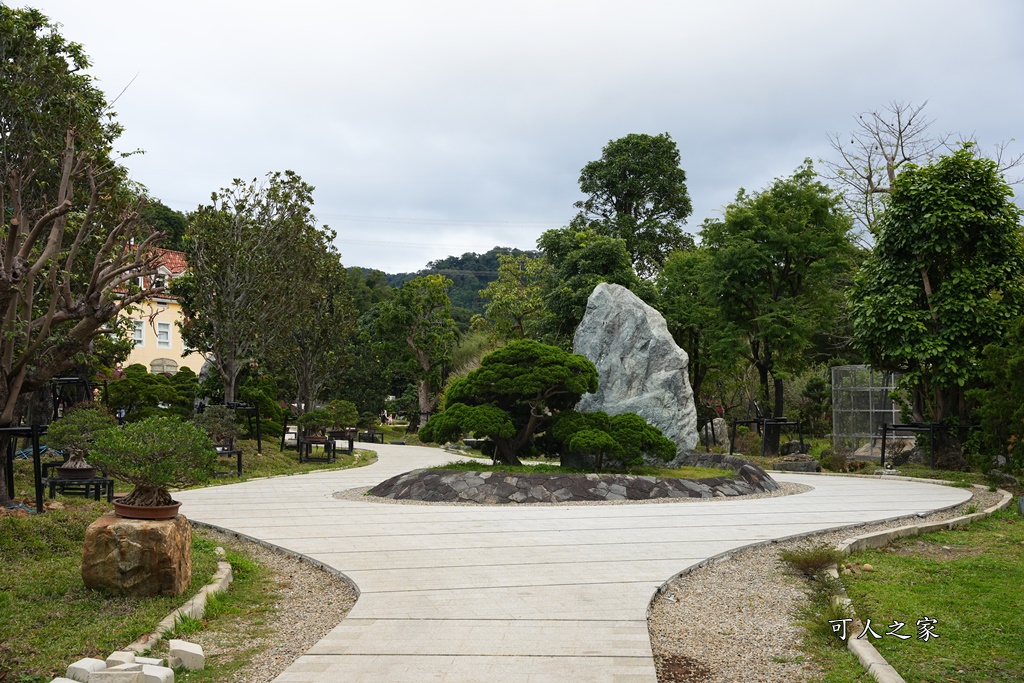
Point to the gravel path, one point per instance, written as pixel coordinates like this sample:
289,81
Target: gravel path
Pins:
722,623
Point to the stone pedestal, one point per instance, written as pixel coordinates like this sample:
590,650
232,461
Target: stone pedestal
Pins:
138,557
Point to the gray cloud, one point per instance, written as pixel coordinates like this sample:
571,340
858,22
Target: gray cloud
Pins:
436,128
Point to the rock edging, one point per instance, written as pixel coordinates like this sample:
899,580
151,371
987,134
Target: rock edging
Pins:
503,488
194,608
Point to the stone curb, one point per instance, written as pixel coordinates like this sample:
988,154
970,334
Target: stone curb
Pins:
194,608
728,554
870,658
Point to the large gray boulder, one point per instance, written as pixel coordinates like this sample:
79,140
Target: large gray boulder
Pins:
640,369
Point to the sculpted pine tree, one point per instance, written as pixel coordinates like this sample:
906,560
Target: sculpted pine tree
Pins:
515,393
72,246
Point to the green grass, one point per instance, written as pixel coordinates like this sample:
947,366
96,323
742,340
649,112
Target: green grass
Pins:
49,618
237,618
274,462
973,590
545,468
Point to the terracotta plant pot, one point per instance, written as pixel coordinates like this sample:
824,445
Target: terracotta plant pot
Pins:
146,511
76,472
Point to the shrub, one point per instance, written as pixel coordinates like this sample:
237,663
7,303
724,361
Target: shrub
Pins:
154,455
74,433
218,421
597,443
811,560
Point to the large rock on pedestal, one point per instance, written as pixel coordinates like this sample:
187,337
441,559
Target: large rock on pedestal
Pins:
138,557
640,369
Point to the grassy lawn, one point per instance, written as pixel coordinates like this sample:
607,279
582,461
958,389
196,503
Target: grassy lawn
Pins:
49,618
971,581
681,473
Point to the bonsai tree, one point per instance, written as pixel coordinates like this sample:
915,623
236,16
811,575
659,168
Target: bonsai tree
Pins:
316,421
512,395
73,434
155,454
218,421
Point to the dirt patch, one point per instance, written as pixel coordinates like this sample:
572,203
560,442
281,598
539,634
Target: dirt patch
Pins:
934,551
681,669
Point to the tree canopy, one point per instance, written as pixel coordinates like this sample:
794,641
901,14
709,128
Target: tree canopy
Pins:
250,253
779,258
514,394
417,323
72,243
637,193
945,279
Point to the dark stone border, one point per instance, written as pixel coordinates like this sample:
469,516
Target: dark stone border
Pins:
500,488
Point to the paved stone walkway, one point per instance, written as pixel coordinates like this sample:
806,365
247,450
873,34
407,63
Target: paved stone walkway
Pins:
532,593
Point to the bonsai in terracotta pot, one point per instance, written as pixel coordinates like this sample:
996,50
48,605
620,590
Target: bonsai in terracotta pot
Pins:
73,435
154,454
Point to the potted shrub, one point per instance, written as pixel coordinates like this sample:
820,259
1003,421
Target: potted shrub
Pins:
315,423
154,454
73,435
344,417
218,421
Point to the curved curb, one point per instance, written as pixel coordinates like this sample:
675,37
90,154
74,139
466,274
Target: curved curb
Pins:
728,554
194,608
276,548
870,658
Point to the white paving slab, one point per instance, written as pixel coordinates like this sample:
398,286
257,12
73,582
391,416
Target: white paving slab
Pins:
507,593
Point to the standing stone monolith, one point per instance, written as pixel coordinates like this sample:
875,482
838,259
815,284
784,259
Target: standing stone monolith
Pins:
640,369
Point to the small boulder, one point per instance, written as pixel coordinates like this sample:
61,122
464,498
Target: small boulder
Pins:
137,557
80,670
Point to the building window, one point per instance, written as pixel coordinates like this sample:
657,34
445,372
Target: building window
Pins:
163,366
163,335
159,280
138,332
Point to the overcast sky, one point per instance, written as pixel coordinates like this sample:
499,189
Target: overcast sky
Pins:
432,128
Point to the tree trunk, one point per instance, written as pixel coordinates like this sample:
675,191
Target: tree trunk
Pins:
773,433
504,453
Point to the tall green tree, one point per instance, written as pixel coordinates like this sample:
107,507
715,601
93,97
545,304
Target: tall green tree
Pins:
71,242
637,193
314,351
580,260
944,281
249,256
514,394
515,299
417,322
687,299
162,218
780,257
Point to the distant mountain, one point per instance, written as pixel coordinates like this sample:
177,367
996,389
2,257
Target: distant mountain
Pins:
469,274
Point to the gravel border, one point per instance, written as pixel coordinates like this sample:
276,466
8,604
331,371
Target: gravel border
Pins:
733,618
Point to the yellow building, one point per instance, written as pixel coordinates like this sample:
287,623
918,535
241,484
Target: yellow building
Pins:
158,343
